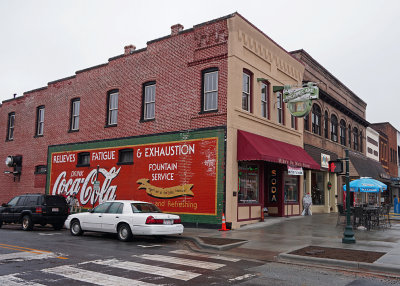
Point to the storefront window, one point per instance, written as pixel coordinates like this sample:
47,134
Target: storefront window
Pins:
248,183
291,189
317,188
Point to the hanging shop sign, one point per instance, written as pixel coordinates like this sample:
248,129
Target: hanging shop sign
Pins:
299,100
325,160
295,171
177,176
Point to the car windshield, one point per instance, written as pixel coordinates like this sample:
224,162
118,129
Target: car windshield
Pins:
145,208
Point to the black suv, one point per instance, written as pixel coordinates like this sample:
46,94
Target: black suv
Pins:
33,209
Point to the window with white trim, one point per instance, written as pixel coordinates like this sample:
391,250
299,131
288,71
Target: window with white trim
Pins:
40,121
210,90
75,108
149,101
246,92
279,107
10,129
264,100
112,115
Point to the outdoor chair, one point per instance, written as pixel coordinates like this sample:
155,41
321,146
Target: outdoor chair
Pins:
341,213
359,218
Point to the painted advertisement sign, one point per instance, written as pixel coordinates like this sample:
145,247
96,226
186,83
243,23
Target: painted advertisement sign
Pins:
178,176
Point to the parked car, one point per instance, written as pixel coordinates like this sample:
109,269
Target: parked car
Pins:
30,209
126,218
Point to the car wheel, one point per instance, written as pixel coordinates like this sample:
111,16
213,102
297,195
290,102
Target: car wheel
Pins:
76,228
27,223
58,226
124,232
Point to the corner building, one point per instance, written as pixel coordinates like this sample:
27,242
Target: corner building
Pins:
190,123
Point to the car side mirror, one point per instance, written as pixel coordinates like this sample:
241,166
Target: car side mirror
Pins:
4,205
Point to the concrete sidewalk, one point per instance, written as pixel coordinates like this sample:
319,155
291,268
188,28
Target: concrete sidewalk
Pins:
274,238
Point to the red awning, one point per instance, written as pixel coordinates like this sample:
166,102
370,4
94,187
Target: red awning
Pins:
255,147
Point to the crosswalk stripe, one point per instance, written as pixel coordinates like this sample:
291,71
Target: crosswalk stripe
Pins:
149,269
212,256
25,256
182,261
94,277
11,280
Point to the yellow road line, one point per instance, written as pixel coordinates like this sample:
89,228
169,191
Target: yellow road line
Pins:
22,248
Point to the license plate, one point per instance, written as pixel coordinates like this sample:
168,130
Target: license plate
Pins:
168,221
54,210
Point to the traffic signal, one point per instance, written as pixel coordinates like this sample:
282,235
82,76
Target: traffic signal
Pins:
335,166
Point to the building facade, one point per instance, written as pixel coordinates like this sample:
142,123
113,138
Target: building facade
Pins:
388,156
336,122
372,144
182,123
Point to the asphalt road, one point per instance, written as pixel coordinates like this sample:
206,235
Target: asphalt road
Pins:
47,257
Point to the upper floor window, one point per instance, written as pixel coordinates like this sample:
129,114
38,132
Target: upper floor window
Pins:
210,90
279,107
293,122
355,138
75,108
349,131
10,126
342,132
246,92
112,114
149,100
334,128
39,120
264,100
326,124
307,122
361,141
316,119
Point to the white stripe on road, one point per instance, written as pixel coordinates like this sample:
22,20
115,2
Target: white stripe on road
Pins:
212,256
94,277
182,261
22,256
11,280
149,269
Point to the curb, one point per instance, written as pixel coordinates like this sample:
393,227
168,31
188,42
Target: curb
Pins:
201,244
374,267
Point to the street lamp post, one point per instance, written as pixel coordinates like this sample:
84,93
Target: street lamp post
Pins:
348,235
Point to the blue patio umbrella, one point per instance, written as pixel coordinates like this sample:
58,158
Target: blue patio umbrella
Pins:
366,185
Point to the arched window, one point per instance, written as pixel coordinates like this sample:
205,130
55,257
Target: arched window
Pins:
334,128
355,138
307,122
342,132
326,124
361,141
349,130
316,119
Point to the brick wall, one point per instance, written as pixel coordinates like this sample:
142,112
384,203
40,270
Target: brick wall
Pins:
175,62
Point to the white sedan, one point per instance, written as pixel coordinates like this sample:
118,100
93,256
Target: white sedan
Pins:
126,218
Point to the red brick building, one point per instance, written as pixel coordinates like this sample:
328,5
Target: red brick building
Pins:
165,120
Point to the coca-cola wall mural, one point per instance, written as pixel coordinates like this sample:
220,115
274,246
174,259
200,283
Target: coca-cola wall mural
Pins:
179,172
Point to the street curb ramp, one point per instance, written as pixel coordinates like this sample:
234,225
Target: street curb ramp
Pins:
202,244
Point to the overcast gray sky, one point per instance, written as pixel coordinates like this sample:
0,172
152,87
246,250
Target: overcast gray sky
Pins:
357,41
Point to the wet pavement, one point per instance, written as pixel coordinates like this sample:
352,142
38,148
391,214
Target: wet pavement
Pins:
274,238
